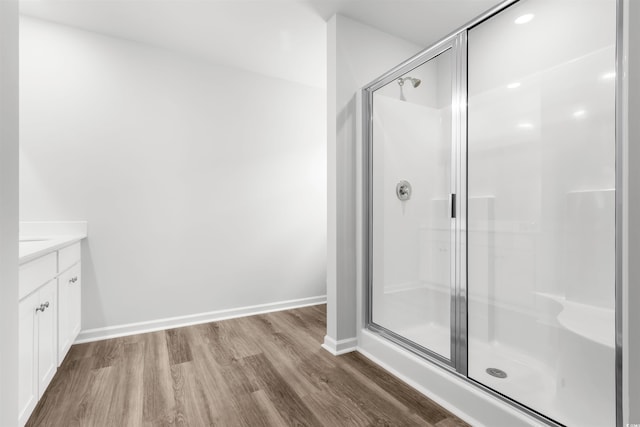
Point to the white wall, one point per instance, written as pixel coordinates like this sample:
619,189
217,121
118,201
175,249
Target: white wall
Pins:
203,186
8,213
356,54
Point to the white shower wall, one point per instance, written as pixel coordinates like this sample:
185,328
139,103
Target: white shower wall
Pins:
558,239
411,257
405,130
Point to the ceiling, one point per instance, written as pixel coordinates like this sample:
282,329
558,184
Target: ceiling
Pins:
279,38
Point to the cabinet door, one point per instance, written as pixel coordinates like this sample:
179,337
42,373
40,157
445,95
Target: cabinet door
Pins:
47,336
69,306
75,307
28,362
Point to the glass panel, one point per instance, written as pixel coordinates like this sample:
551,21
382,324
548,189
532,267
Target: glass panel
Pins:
411,152
541,224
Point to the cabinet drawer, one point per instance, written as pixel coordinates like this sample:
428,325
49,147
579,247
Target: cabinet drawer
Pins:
68,256
36,273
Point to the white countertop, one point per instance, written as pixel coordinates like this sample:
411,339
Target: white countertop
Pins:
38,238
33,247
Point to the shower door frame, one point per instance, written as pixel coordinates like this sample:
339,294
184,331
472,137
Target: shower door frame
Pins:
456,43
458,364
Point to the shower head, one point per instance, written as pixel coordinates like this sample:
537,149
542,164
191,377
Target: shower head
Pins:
414,82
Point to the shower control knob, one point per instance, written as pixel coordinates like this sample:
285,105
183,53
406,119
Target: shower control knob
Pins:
403,190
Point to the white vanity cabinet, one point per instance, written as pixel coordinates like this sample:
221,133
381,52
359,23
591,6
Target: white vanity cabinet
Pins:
49,320
69,298
38,330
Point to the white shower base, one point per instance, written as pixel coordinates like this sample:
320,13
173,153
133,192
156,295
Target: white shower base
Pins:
528,381
527,378
574,371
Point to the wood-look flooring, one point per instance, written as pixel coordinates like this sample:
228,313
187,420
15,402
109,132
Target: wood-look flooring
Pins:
264,370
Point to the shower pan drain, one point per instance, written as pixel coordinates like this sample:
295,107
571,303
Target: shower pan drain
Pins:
495,372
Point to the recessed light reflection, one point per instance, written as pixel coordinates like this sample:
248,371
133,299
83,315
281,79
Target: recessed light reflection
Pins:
608,76
525,125
513,85
524,18
579,113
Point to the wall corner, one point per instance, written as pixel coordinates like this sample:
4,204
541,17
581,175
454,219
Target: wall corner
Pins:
9,143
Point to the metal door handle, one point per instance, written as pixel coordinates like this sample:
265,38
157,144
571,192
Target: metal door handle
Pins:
453,205
42,307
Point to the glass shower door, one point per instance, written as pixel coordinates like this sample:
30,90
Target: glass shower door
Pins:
411,236
541,207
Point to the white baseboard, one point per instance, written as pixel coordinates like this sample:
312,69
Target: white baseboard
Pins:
97,334
341,346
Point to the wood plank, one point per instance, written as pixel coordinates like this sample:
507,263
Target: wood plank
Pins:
380,407
178,346
268,412
224,386
158,408
93,407
178,385
288,404
410,398
280,351
106,352
126,406
210,388
334,410
79,351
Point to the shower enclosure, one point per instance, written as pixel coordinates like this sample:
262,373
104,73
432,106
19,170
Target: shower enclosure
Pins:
490,200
